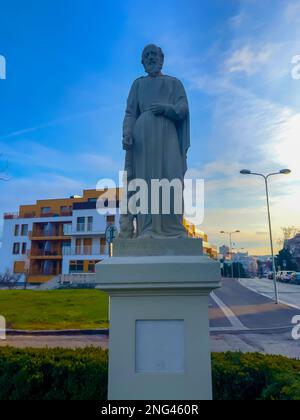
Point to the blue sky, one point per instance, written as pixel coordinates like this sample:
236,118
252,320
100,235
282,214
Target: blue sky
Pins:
69,68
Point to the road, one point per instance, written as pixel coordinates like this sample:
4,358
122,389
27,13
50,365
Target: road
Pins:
244,317
240,319
251,309
287,293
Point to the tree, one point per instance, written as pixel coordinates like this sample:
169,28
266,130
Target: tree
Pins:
239,271
288,232
9,279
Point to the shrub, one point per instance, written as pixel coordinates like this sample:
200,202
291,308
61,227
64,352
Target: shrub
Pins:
62,374
253,376
53,374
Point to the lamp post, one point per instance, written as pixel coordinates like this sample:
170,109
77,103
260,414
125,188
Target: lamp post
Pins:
266,178
230,245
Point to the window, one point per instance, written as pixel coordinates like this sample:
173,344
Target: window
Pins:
80,224
67,229
76,267
19,267
92,200
24,230
92,266
46,210
16,248
90,224
87,246
24,248
65,209
102,246
16,230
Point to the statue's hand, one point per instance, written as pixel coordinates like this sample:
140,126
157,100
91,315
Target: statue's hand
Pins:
158,109
127,142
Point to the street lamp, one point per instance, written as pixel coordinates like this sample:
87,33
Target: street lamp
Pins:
266,178
230,245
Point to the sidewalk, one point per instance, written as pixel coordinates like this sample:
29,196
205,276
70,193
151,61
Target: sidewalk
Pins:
288,294
281,343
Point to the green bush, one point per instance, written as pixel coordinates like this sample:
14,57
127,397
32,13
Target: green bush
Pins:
61,374
253,376
53,374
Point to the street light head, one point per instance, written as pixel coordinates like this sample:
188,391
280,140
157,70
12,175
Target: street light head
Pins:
245,172
285,171
222,231
237,231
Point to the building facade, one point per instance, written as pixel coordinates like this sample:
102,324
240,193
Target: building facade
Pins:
224,251
293,245
208,249
61,236
248,262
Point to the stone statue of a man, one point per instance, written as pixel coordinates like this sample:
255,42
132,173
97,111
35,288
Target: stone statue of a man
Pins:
156,137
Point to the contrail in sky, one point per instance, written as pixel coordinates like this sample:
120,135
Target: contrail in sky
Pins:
52,123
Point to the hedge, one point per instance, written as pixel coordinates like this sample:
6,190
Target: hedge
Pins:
62,374
53,374
254,376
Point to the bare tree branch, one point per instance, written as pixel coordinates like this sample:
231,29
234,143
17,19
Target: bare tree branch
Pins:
288,232
9,279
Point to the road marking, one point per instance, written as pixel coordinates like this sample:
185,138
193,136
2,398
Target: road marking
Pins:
232,318
258,292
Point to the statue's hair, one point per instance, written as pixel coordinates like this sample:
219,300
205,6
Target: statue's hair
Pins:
160,51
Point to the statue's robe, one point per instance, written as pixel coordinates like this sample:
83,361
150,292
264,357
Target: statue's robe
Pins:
160,144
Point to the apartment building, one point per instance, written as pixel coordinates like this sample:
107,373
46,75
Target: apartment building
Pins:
59,236
208,249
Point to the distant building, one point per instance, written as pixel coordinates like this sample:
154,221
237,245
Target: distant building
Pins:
264,264
224,251
293,245
249,263
194,232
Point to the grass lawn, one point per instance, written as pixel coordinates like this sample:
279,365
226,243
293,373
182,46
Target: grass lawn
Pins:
58,309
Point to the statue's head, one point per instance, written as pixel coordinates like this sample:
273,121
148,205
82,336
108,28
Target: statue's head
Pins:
153,59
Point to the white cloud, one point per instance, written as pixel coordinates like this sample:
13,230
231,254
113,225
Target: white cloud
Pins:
237,20
247,60
292,12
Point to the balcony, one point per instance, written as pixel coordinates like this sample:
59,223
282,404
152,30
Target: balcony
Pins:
11,216
85,251
37,254
43,272
86,229
42,234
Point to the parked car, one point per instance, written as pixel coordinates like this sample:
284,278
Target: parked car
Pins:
296,279
286,276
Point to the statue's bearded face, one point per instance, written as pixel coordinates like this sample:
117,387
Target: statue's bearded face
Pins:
153,60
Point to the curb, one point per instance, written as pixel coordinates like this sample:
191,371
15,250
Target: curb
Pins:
271,330
103,331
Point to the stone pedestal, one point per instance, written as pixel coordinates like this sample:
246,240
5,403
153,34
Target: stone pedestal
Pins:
159,327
